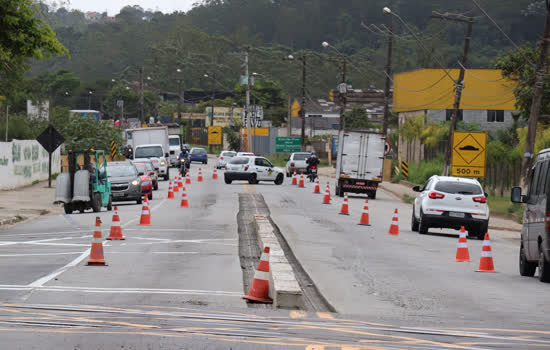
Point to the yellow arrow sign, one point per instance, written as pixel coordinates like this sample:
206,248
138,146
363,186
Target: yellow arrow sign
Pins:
469,154
214,135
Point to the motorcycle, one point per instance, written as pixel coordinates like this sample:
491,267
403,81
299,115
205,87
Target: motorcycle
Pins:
185,165
312,173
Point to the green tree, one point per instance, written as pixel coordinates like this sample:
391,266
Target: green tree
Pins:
357,118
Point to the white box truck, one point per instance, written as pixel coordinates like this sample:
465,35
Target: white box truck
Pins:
152,144
360,162
175,150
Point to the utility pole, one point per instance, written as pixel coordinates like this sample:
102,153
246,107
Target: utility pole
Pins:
385,122
536,104
289,120
7,120
212,106
303,109
247,107
459,84
342,89
141,113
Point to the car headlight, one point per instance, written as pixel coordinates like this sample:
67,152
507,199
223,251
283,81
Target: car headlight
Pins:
162,163
135,182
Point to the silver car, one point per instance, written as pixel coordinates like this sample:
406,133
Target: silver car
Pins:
125,182
223,158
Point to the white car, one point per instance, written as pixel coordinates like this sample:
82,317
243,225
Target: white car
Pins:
451,202
224,157
245,154
252,169
297,162
156,155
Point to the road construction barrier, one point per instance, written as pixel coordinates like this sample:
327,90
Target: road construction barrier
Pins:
317,189
184,203
486,260
199,178
462,253
116,230
294,179
145,219
170,191
365,214
345,207
394,227
96,252
259,287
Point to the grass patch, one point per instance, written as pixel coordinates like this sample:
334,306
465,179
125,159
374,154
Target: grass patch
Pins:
503,206
408,199
54,176
36,182
420,172
278,159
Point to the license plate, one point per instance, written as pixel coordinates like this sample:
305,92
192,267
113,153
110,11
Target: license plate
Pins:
456,215
360,183
118,194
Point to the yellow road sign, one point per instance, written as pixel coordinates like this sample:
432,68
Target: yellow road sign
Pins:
469,154
214,135
295,109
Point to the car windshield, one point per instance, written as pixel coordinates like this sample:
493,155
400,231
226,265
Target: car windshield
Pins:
121,171
301,156
239,160
148,152
454,187
228,154
198,150
174,141
141,168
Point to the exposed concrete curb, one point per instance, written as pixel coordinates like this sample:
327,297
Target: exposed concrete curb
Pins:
283,285
11,221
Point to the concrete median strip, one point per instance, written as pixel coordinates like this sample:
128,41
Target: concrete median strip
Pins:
283,285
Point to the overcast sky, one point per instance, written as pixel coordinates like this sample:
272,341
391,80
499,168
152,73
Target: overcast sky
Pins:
114,6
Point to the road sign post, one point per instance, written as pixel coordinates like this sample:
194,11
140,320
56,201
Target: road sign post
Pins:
288,144
469,154
50,139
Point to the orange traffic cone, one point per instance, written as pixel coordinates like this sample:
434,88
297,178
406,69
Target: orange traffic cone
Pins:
394,228
317,189
145,219
301,183
180,181
199,179
116,230
462,253
96,253
176,187
259,288
326,197
365,214
215,174
294,180
188,179
328,189
170,191
345,208
486,260
184,202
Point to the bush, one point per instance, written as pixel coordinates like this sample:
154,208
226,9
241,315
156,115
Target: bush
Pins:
420,172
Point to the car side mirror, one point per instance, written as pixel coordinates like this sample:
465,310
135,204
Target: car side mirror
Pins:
151,173
141,173
486,195
416,189
516,196
166,155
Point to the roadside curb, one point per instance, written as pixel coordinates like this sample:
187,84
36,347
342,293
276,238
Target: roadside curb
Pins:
284,288
12,220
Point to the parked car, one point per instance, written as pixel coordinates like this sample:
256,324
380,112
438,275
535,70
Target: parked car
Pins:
252,169
297,162
146,181
125,181
198,155
535,235
451,202
224,157
151,172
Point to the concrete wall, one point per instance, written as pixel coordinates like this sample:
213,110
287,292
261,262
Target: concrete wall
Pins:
477,116
25,161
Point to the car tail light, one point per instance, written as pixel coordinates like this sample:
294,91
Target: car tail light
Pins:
292,165
221,158
436,195
246,168
192,154
480,199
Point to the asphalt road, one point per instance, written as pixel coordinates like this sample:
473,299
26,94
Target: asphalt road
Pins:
178,283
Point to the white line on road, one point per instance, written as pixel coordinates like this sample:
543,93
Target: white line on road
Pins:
120,290
37,254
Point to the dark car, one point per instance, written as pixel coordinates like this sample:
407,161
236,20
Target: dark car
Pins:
125,182
198,155
535,235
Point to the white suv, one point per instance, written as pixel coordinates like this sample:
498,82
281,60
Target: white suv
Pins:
252,169
451,202
297,162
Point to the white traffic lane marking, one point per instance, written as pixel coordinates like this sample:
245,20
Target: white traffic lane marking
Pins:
120,290
37,254
41,281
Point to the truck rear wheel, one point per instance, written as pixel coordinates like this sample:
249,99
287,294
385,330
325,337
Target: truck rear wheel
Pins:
96,203
372,194
68,208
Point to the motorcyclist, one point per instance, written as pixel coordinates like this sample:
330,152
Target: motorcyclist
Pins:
312,160
184,160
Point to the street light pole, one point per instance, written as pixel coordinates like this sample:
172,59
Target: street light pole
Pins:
7,120
247,107
303,109
385,122
141,112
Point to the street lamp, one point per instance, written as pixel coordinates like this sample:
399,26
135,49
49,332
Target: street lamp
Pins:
387,10
90,99
325,44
